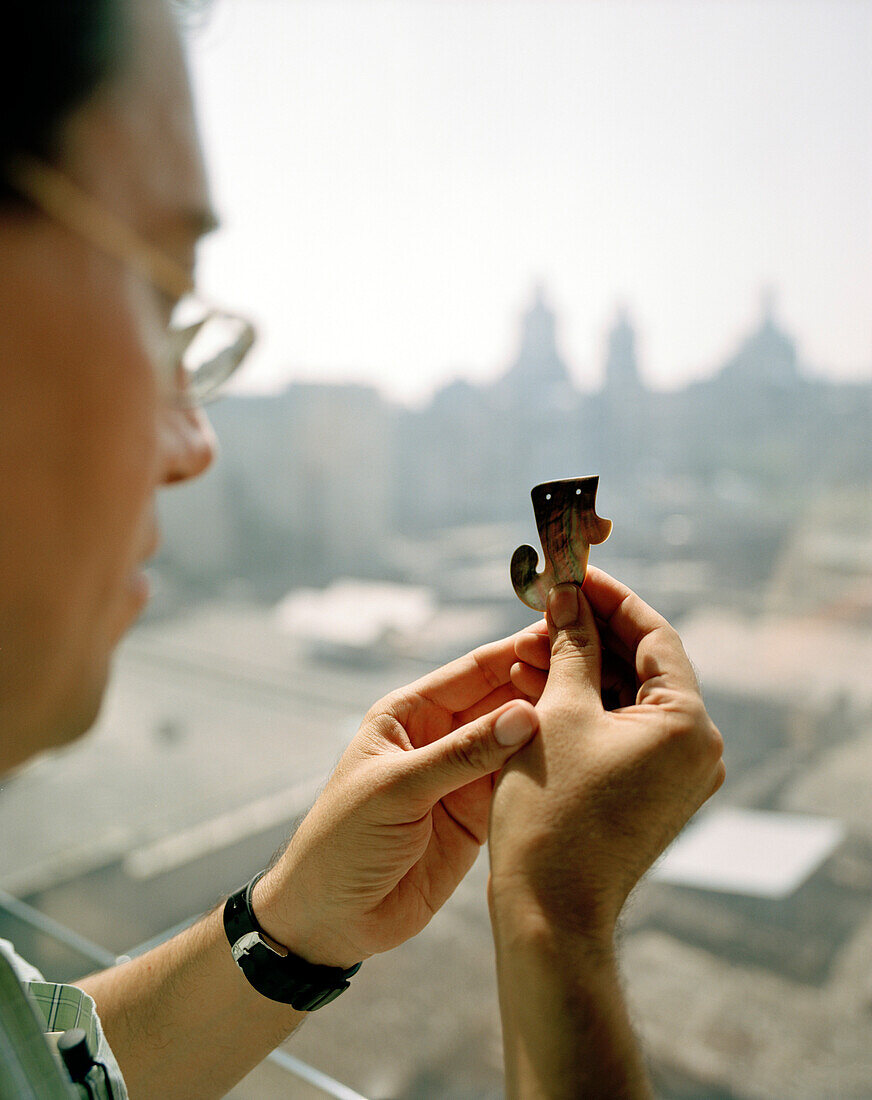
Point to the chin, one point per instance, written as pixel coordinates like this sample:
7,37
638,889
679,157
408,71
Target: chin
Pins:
79,722
68,723
84,710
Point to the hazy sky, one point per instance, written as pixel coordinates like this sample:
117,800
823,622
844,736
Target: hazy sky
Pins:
395,175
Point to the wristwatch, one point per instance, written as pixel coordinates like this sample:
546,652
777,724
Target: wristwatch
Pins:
273,970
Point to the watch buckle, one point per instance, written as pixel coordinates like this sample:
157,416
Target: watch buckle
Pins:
250,940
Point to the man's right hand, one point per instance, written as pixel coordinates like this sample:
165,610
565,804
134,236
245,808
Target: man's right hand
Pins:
625,754
581,812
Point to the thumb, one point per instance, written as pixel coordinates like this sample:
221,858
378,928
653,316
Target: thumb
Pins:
471,752
575,644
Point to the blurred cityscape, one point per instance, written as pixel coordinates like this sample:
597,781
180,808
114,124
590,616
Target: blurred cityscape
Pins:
342,545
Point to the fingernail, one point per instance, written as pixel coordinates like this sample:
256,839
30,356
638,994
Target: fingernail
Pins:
513,726
563,605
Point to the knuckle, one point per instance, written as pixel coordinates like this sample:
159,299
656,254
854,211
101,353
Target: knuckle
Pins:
572,642
469,752
695,735
716,741
487,672
690,712
389,704
653,693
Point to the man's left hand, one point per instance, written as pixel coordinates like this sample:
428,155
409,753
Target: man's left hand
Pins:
403,816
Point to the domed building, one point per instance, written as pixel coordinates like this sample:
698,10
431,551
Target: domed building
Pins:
766,357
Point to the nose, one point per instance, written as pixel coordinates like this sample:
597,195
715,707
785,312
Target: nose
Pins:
186,444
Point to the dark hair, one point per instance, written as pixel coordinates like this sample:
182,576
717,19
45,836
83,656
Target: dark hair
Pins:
54,55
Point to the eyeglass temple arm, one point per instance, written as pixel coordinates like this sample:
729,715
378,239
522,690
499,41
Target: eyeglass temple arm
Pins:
55,195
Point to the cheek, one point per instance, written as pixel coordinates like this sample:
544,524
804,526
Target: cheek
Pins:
111,454
77,474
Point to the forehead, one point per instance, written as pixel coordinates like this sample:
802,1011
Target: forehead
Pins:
134,145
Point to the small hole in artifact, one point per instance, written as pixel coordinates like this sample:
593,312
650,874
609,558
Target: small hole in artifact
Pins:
578,492
547,496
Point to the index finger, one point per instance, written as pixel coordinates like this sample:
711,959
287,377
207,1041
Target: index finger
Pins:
654,645
464,682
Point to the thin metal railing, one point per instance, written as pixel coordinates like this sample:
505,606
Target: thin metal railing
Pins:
48,926
99,956
313,1076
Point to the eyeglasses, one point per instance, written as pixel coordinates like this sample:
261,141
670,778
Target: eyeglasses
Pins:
204,344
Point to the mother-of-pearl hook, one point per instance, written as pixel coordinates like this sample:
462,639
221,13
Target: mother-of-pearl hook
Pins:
568,526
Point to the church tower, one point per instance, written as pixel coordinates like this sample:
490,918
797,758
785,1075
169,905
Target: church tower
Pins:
622,370
538,377
621,424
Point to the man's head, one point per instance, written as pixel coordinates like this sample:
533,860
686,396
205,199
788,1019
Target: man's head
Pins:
85,437
55,54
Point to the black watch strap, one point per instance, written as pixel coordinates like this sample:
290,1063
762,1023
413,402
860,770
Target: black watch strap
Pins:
273,970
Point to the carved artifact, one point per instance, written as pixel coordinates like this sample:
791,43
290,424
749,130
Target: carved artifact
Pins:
568,526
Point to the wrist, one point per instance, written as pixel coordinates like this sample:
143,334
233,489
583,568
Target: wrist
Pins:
566,1032
275,972
521,924
272,904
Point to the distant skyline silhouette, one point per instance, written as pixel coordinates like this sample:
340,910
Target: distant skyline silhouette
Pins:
396,175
